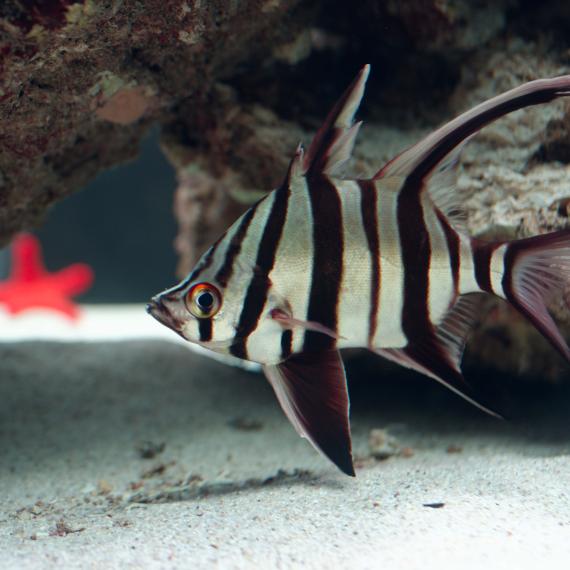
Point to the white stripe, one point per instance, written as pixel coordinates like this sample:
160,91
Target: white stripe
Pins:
192,326
389,332
216,262
354,299
440,277
498,270
226,321
290,277
218,331
467,280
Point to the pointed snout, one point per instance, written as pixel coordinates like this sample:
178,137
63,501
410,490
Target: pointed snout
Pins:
153,307
160,311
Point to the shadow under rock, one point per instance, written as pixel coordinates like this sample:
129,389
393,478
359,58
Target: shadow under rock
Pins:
534,412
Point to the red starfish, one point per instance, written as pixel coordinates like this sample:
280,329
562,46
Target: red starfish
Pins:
30,285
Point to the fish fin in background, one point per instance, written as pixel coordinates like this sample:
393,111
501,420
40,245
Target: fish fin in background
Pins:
441,186
537,269
419,161
439,356
289,322
333,143
311,389
453,331
295,169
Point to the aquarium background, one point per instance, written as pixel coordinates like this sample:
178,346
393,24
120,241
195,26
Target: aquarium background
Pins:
122,225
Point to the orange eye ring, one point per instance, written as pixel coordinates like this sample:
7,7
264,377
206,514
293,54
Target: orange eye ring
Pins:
203,300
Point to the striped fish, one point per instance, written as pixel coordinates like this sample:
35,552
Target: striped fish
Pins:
323,263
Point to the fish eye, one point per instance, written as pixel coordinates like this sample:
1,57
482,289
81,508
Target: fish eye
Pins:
203,300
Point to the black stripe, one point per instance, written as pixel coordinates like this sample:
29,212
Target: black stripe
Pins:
423,345
225,272
414,237
203,264
369,211
286,344
206,261
482,253
449,142
416,253
259,285
511,254
205,328
328,246
453,246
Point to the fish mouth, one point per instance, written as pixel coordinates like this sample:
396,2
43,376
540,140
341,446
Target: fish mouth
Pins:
157,309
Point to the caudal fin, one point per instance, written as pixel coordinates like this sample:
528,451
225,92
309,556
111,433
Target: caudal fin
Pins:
537,269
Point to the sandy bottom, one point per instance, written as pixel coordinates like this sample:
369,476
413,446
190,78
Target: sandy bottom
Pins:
143,454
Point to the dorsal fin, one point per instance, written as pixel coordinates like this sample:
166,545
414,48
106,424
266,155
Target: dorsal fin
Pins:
296,165
333,143
418,162
441,186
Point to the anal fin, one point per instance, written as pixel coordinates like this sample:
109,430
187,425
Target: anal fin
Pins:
439,355
311,389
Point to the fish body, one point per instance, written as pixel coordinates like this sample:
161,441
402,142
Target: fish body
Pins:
323,263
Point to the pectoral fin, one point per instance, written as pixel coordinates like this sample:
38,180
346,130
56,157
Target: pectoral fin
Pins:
289,322
311,388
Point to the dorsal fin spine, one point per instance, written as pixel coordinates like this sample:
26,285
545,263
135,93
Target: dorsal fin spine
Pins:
332,144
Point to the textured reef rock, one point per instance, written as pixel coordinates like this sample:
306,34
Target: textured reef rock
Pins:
82,80
236,84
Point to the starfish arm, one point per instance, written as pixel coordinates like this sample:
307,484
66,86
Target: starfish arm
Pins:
27,264
74,280
31,286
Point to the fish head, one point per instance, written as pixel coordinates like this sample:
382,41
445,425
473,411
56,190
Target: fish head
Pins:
204,312
199,311
186,308
214,304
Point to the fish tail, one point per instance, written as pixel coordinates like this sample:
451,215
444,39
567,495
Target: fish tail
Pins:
535,270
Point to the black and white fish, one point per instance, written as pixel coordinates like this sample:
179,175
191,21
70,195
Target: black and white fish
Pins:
323,263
